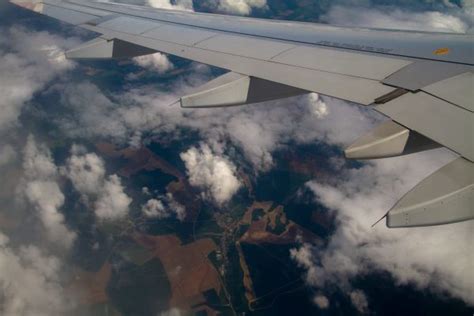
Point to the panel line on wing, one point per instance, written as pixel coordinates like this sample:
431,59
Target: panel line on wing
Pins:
359,90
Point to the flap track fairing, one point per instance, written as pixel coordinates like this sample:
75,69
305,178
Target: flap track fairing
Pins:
234,89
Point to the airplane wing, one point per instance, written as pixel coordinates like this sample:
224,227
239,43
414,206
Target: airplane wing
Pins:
423,81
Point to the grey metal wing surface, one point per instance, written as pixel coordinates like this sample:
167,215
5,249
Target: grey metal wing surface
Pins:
422,81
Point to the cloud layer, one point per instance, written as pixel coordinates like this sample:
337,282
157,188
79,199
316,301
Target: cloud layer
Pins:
28,60
30,282
422,257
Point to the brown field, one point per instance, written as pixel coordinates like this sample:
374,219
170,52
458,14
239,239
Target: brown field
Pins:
257,234
91,286
257,231
247,218
189,271
247,279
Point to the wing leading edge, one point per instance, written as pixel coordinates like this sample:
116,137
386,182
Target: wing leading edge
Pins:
423,81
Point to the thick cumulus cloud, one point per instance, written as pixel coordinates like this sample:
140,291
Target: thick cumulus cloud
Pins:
113,203
215,174
422,257
186,5
40,188
29,282
86,171
106,194
28,60
181,5
157,62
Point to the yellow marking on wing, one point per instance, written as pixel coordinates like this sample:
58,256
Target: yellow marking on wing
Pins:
442,51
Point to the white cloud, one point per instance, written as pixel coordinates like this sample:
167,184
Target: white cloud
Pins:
182,5
28,60
257,129
242,7
164,207
158,62
113,203
176,207
421,256
319,107
41,190
7,154
186,5
86,172
214,174
88,176
29,282
394,18
321,301
154,209
46,197
359,300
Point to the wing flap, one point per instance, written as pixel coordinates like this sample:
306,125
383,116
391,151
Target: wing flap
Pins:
389,140
423,73
347,63
441,121
447,196
458,90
